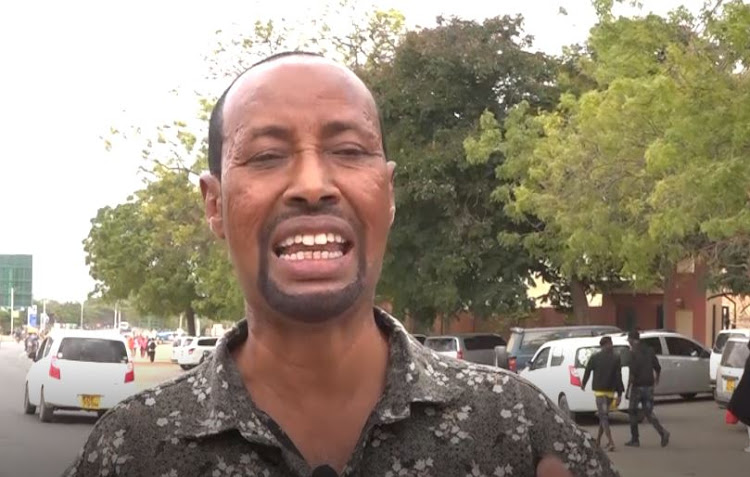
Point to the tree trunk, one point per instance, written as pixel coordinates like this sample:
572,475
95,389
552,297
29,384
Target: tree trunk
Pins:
190,318
580,302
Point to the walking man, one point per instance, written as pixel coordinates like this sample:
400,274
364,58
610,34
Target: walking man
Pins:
607,386
644,375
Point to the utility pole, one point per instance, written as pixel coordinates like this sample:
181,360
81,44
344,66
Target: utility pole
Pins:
12,296
82,302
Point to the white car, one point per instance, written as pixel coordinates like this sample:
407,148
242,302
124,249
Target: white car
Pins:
196,351
731,368
79,370
179,345
557,368
718,349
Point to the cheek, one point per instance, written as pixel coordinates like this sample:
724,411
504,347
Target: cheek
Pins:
245,208
370,199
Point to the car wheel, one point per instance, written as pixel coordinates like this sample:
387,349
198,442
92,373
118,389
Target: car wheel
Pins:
101,413
28,408
45,410
186,367
688,396
562,403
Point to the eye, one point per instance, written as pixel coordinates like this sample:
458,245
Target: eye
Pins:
349,152
266,157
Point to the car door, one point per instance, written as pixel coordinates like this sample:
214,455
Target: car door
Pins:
39,369
538,372
666,381
691,365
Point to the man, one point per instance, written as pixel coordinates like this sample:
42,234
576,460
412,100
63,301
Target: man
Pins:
645,371
607,386
316,380
739,403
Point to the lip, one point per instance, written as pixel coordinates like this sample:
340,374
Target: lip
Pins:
312,225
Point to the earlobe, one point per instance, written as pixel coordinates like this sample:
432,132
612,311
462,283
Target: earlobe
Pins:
211,191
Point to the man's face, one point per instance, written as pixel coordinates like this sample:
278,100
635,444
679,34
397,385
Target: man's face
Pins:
306,195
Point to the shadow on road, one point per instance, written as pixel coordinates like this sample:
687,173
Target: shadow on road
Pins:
618,418
68,418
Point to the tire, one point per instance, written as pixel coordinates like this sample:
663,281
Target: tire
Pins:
28,408
101,413
46,411
186,367
688,396
562,403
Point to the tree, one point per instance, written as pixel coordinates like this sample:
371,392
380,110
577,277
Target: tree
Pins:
443,254
648,168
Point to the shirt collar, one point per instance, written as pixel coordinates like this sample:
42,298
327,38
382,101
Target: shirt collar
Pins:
414,375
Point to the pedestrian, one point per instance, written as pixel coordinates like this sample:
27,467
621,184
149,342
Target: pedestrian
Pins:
131,345
143,343
607,386
317,379
151,349
739,403
645,372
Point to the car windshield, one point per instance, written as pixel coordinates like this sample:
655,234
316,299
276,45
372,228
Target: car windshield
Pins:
93,350
722,339
735,354
483,342
207,342
533,340
441,344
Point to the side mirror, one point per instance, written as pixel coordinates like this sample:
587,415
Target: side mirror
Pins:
501,357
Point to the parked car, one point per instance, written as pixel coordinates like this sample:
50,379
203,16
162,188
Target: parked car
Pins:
78,370
731,368
420,338
525,342
178,346
196,352
473,347
718,349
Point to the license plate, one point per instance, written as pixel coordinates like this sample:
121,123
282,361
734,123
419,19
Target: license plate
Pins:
90,401
731,383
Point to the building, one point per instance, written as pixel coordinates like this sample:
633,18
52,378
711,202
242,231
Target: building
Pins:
16,273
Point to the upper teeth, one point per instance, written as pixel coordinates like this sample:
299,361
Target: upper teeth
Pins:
312,239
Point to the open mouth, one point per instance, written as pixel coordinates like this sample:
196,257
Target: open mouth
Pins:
312,246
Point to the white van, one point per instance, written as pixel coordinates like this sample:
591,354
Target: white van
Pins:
718,349
731,368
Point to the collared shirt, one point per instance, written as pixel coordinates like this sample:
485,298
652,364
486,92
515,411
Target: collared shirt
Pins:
436,417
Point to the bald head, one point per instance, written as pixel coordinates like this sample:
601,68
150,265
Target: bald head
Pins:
260,76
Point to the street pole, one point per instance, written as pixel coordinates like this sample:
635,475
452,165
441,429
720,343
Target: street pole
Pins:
82,302
12,296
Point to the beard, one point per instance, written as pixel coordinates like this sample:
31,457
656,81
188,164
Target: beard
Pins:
311,307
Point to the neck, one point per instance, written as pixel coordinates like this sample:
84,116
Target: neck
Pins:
301,359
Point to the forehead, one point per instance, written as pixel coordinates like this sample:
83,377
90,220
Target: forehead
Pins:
297,90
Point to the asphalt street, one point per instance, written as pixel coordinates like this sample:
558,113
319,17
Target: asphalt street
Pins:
702,445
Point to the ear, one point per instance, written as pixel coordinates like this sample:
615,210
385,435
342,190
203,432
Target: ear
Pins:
211,191
391,187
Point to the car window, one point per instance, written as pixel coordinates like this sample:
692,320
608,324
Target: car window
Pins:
533,340
654,344
682,347
483,342
207,342
187,341
722,339
47,346
441,345
93,350
557,357
735,354
176,343
541,359
583,355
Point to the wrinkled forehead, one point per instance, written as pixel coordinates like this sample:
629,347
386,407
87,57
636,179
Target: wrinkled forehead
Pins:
298,89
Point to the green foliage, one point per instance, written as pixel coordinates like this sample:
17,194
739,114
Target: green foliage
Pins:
648,166
444,255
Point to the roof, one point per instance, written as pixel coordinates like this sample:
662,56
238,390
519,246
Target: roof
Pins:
567,327
465,335
739,339
111,334
585,341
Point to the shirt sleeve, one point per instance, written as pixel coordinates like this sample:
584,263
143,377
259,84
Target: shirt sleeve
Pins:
553,433
619,388
589,368
655,361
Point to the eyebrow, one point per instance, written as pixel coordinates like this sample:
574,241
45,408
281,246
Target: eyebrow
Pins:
274,131
333,128
329,130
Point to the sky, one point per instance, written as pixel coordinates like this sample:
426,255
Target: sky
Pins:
72,69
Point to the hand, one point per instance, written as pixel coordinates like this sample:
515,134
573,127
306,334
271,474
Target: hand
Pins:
551,466
619,400
583,387
627,395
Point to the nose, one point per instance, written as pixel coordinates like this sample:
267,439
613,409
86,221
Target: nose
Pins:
311,183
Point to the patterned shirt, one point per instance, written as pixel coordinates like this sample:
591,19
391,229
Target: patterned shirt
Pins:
436,417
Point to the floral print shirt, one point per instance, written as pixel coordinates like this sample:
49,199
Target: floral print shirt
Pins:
437,417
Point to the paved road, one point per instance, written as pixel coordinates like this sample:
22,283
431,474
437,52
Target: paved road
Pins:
702,445
31,448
